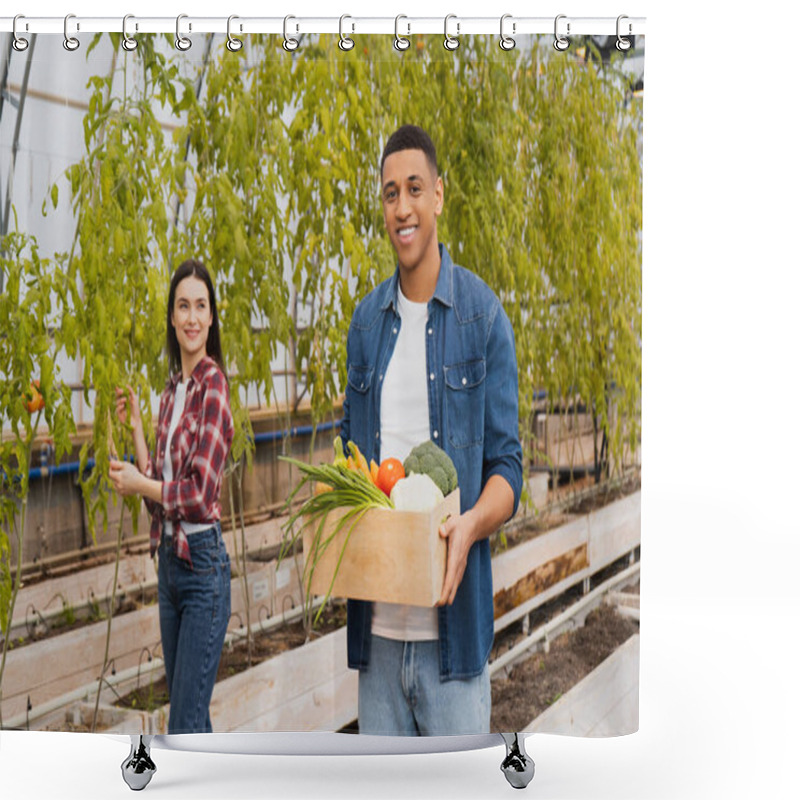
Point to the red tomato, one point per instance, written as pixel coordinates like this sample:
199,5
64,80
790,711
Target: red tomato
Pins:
36,403
389,472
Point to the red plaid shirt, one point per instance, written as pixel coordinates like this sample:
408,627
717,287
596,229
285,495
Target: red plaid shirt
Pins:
200,445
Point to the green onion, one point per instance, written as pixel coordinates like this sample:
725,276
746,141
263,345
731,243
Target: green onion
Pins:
349,489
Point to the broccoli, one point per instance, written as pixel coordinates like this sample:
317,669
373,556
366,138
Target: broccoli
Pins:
429,459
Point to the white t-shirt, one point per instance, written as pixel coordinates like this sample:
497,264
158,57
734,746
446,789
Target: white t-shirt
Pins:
405,423
166,472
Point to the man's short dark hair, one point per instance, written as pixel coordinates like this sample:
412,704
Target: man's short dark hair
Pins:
411,137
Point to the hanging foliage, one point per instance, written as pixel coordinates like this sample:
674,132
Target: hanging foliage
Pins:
118,269
586,209
232,181
31,394
271,176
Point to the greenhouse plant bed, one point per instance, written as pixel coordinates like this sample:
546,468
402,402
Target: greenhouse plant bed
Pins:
526,576
38,672
537,569
293,683
136,570
327,697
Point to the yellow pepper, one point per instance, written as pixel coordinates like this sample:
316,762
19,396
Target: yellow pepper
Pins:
359,460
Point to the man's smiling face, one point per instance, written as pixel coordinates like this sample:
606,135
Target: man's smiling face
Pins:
412,196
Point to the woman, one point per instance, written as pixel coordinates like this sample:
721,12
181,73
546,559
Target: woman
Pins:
181,489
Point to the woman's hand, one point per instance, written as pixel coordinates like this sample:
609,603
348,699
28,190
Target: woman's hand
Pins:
128,408
126,399
126,478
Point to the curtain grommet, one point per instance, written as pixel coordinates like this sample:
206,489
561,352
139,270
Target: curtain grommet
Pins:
451,42
233,44
129,44
345,42
289,44
561,43
401,43
507,42
70,42
182,43
19,43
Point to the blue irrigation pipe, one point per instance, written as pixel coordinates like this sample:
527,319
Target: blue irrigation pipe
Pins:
72,467
298,430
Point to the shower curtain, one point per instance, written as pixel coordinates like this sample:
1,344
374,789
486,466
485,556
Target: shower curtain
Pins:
264,162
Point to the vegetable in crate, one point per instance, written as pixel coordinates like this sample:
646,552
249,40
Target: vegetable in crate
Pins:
429,459
390,471
351,487
417,492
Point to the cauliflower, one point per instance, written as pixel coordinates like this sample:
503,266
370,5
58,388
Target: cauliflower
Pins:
429,459
416,493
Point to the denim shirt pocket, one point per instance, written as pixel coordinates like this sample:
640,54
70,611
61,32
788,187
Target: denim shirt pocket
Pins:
465,402
359,384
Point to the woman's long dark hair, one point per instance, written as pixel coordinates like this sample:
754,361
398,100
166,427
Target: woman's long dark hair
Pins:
213,345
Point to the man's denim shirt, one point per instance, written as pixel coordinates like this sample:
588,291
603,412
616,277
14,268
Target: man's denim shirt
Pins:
473,407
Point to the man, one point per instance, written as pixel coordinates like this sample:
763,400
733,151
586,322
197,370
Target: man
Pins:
430,355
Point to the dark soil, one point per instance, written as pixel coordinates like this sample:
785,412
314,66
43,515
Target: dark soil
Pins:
530,688
71,619
607,494
535,684
566,502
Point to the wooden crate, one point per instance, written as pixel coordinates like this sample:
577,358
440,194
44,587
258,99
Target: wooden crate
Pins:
391,556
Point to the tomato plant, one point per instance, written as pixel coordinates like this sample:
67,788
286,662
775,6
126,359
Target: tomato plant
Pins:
271,177
234,221
27,348
116,277
33,398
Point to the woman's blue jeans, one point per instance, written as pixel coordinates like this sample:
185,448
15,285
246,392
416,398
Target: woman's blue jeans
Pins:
194,604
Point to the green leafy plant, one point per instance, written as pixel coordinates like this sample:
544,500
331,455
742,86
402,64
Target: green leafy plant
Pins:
27,369
116,276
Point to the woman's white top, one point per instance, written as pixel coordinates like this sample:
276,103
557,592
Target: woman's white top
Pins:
177,413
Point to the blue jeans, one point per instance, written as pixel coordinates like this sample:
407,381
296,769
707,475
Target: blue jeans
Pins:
401,693
194,604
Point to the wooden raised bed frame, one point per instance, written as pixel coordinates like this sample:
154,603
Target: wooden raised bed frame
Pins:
525,577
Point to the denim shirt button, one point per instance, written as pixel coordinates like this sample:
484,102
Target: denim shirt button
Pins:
432,376
436,434
394,330
377,434
463,381
430,331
